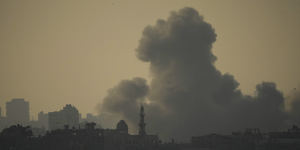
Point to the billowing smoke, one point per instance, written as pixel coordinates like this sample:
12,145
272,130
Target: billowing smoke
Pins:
124,100
293,106
187,95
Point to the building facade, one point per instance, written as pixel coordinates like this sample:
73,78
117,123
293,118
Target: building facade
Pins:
43,120
17,111
68,116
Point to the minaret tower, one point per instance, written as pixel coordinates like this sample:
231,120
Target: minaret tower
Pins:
142,123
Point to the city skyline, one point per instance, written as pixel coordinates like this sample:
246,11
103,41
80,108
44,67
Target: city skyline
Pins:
18,114
197,67
90,136
68,115
3,110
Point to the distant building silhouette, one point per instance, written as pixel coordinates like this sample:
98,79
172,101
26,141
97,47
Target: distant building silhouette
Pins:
90,118
17,111
122,127
43,119
287,140
3,121
69,116
119,138
142,124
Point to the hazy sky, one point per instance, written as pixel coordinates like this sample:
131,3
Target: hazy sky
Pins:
58,52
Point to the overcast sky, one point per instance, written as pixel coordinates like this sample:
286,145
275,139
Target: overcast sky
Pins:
57,52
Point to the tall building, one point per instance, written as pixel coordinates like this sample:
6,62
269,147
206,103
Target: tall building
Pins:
17,111
142,124
43,119
69,116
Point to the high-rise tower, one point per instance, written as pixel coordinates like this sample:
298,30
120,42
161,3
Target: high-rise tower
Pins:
142,124
17,111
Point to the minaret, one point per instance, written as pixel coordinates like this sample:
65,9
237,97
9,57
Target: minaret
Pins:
142,124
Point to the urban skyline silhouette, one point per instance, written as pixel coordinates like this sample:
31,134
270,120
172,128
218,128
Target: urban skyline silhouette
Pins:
109,74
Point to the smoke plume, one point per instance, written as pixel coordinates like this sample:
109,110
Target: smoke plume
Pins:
293,106
124,100
187,95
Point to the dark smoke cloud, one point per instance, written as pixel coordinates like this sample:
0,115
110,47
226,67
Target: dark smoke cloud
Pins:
124,100
187,95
